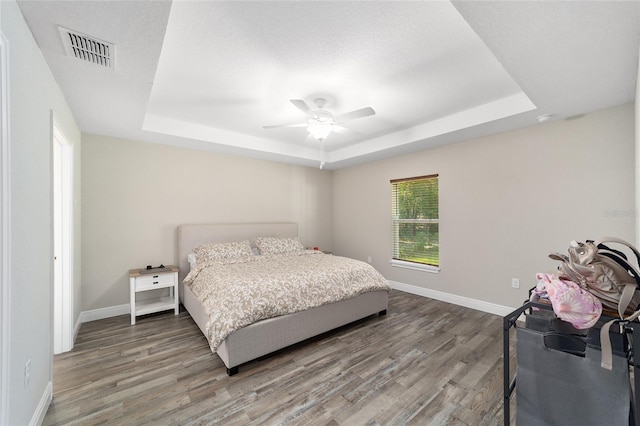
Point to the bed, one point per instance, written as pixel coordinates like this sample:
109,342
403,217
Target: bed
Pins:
266,335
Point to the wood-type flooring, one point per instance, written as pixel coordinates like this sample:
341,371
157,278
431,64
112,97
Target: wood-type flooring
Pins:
424,363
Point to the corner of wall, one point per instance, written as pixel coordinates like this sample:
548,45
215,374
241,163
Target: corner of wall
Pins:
43,406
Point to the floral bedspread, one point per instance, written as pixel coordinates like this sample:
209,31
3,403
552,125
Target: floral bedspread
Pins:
242,291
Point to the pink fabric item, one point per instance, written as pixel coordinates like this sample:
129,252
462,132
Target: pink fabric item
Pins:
570,302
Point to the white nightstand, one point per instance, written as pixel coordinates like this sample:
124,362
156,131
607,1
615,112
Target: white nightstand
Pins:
142,282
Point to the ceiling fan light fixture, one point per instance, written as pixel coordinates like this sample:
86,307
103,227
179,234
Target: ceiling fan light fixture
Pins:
320,122
319,130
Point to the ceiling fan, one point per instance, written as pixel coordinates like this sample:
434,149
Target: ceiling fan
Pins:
321,122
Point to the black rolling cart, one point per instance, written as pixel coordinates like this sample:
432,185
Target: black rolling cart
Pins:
558,377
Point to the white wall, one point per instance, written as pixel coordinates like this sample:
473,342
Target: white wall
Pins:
33,95
136,194
506,201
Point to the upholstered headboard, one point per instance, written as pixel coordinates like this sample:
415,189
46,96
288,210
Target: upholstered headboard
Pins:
192,236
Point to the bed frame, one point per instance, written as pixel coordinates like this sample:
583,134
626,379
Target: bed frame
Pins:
270,335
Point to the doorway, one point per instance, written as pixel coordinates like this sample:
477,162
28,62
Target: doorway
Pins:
62,241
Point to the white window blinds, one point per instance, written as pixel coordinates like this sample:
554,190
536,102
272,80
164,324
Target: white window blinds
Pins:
415,220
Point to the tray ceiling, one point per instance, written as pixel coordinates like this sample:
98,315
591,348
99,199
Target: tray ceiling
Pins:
210,74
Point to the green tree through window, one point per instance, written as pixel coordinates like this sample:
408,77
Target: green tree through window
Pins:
415,220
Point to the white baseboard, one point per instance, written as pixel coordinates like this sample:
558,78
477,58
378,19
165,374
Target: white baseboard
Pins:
43,406
97,314
478,305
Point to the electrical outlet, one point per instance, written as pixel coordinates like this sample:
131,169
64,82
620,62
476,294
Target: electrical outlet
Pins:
515,283
27,372
368,259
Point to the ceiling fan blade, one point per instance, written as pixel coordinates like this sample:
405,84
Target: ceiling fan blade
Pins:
359,113
302,106
285,125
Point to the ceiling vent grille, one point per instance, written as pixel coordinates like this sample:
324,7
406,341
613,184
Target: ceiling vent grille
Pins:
88,49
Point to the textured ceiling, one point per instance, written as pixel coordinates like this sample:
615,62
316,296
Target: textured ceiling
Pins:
209,75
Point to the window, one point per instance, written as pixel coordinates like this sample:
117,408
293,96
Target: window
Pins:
415,221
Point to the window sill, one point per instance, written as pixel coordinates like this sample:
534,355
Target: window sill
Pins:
414,266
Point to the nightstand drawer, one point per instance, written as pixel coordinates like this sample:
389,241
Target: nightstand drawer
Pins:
151,281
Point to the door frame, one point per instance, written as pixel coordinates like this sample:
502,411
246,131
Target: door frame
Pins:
62,193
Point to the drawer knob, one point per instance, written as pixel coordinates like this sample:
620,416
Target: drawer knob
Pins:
156,282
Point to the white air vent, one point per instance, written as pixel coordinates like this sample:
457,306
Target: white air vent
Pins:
87,48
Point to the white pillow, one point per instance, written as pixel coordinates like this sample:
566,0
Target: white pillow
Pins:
192,260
